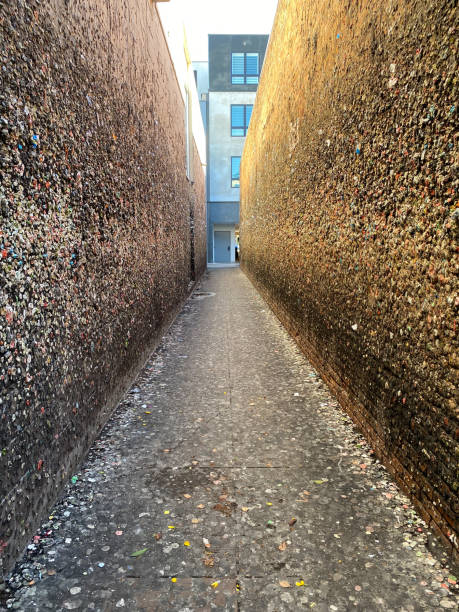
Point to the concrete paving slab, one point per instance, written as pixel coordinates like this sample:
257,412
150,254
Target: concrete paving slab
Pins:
228,478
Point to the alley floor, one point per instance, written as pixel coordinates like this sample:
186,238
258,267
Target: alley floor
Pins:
228,478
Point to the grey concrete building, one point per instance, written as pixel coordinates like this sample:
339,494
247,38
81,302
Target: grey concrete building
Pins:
233,72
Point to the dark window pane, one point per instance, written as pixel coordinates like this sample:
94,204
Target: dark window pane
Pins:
237,63
235,169
252,63
237,115
237,80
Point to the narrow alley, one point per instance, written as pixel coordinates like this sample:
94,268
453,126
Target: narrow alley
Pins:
228,478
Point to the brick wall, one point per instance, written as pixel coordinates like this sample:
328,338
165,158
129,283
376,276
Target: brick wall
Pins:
96,247
349,221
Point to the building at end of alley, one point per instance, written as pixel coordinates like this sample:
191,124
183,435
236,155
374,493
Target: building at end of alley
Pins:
227,87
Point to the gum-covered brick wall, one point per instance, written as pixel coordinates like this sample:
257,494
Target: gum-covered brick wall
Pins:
349,222
101,233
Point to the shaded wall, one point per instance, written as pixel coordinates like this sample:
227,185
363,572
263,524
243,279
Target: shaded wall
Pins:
100,231
349,221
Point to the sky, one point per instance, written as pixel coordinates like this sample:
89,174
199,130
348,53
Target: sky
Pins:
203,17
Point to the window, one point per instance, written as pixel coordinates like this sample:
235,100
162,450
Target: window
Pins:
240,118
235,170
245,68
